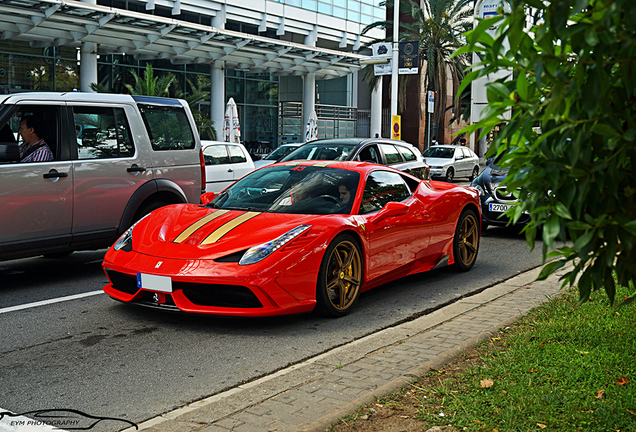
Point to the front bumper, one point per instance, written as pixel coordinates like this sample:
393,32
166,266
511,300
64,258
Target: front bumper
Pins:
205,287
498,218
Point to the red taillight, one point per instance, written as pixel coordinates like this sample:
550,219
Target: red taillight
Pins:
203,179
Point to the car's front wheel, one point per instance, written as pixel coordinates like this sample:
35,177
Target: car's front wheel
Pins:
466,241
450,175
340,277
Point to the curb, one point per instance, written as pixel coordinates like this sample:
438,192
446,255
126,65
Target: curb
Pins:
313,394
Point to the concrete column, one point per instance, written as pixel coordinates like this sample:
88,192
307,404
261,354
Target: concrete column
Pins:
217,96
376,110
217,83
88,62
88,66
309,100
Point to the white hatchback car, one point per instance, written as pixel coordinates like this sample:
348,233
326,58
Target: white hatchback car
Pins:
450,161
224,164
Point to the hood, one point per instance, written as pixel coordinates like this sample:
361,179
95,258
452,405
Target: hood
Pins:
433,161
189,231
263,162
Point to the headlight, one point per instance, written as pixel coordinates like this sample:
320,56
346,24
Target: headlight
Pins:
125,241
480,189
260,252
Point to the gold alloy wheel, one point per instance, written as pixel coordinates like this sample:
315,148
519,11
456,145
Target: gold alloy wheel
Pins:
344,273
468,240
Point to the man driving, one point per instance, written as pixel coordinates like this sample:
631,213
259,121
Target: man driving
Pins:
33,147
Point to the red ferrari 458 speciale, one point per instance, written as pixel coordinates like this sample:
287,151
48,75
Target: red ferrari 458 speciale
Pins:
294,237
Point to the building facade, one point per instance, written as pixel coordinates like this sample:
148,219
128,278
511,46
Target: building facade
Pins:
267,55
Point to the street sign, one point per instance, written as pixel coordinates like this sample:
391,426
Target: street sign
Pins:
396,132
382,50
431,101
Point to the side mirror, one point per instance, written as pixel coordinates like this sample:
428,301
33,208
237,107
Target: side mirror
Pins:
9,152
207,197
390,209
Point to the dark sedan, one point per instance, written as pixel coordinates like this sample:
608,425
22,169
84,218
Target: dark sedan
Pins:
494,197
396,154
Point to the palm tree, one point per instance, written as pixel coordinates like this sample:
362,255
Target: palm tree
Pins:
438,25
199,91
150,85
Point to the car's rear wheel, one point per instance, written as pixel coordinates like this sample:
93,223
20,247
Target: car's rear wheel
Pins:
340,277
474,174
466,241
450,175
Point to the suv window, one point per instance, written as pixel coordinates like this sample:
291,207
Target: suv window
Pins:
391,154
47,115
102,133
383,187
168,127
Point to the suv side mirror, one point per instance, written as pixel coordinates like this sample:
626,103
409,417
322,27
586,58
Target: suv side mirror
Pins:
9,152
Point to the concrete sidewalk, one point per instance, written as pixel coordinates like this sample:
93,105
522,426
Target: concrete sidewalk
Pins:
311,395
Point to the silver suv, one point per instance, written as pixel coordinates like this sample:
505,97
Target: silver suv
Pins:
115,159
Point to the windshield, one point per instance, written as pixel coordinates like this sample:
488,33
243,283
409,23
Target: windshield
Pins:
297,189
279,153
438,152
338,152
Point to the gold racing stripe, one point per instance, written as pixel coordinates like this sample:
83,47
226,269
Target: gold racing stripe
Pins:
325,163
229,226
198,224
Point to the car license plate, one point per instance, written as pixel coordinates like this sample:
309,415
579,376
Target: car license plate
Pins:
499,208
154,283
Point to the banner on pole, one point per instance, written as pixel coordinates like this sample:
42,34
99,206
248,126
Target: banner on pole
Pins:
408,60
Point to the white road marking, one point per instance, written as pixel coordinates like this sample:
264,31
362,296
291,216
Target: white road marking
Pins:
50,301
14,423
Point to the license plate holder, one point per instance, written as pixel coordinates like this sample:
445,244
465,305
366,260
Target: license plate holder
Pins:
154,282
499,208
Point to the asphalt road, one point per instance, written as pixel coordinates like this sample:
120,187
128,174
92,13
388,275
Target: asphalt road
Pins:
109,359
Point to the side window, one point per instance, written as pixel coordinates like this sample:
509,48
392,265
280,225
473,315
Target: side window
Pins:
391,154
215,155
407,153
369,154
458,154
40,142
466,152
236,154
168,127
383,187
102,133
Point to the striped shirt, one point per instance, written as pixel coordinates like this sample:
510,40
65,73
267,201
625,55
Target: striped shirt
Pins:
38,152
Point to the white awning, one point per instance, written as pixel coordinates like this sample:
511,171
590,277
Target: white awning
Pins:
45,23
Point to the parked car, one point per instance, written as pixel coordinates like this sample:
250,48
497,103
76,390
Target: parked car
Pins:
277,154
452,161
115,159
321,234
396,154
224,164
494,197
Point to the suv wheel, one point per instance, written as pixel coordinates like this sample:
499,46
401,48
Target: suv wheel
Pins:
147,208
